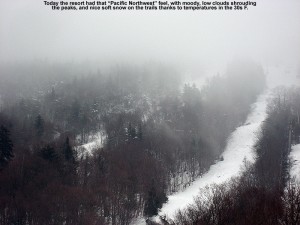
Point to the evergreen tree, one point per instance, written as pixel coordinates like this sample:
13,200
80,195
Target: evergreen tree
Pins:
39,126
151,203
48,153
140,131
6,147
68,151
154,201
131,131
70,164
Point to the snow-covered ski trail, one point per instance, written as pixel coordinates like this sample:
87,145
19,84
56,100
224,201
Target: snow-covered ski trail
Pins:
239,147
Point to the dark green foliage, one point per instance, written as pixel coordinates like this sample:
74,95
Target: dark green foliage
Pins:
39,126
70,164
154,201
48,153
68,152
6,147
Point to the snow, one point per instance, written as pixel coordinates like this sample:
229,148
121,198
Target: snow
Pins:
295,160
138,221
96,141
240,146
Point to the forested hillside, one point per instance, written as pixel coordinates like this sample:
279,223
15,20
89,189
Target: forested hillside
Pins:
157,138
147,112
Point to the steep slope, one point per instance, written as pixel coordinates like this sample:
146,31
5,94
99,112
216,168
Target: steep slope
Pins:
239,146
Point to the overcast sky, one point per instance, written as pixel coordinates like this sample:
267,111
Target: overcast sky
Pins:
269,32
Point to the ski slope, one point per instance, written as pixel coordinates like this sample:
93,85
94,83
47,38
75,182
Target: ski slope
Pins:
240,146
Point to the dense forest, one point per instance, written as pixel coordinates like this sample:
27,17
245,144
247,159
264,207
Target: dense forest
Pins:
159,135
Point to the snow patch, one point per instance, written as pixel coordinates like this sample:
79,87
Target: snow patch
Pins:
295,160
96,141
138,221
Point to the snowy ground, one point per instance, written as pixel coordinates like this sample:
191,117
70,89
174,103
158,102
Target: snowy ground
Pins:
295,160
95,141
239,146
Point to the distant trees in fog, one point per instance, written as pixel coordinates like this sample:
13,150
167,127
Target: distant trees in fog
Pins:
6,147
158,140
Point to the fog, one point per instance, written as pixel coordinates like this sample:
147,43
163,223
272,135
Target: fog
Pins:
268,33
104,115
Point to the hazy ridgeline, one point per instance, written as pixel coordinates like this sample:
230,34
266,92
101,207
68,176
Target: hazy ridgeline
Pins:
159,138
